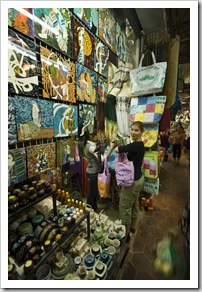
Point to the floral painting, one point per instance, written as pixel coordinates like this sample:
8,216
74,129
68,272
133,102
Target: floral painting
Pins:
101,56
83,45
120,43
22,65
65,120
34,118
89,16
87,115
57,28
58,76
86,84
12,126
21,22
102,89
16,166
40,158
65,151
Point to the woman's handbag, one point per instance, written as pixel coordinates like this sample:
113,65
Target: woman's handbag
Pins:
149,79
104,180
124,172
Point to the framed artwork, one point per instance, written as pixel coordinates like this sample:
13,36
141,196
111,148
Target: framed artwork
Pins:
102,89
22,65
86,84
57,28
40,158
34,118
83,45
87,116
107,28
58,76
21,22
101,56
89,16
12,126
65,120
65,151
120,43
17,170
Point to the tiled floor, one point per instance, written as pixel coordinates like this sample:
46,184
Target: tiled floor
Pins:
152,226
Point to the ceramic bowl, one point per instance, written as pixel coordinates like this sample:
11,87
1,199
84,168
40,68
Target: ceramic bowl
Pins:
116,243
82,271
111,250
89,261
96,249
91,275
111,235
43,272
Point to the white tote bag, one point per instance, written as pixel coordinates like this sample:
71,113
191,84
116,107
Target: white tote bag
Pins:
149,79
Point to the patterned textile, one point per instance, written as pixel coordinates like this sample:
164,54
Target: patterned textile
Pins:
150,164
17,165
12,126
21,22
102,89
120,43
150,134
87,116
122,113
89,16
111,127
151,186
121,75
101,56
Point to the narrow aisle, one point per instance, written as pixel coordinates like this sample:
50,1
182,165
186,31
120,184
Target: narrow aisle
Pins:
152,226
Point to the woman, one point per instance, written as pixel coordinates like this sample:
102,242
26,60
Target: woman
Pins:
129,196
178,143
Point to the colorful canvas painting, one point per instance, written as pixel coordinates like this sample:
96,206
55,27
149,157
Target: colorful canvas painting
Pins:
34,118
17,171
22,65
107,28
21,22
89,16
58,76
150,164
87,116
12,126
40,158
102,89
120,43
86,84
57,28
83,45
101,56
150,134
65,120
65,151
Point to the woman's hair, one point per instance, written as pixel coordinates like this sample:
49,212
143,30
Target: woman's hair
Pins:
139,125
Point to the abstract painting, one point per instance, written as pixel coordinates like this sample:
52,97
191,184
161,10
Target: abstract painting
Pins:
65,120
101,56
22,65
58,76
87,115
65,151
12,126
89,16
86,84
40,158
102,89
21,22
34,118
16,166
120,43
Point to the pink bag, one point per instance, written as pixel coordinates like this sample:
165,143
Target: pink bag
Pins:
124,172
104,179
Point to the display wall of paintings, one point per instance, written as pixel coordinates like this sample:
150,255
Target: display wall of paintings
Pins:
34,118
60,34
22,65
40,158
87,116
101,56
12,126
120,43
65,151
89,16
16,166
102,89
21,22
86,84
58,76
65,120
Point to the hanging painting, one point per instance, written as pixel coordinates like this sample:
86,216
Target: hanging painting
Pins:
16,166
102,89
58,76
87,115
40,158
120,43
22,65
107,28
34,118
89,16
57,28
150,134
21,22
101,56
65,120
12,126
65,151
86,84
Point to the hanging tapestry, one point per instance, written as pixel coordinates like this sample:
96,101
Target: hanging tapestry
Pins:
22,65
101,56
111,127
150,134
58,76
89,16
40,158
21,22
65,120
12,126
16,166
147,109
87,115
65,151
57,28
83,45
150,164
34,118
102,89
151,186
120,43
86,84
107,28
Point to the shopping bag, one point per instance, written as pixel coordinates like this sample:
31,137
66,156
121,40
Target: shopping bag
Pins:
149,79
150,164
104,179
124,171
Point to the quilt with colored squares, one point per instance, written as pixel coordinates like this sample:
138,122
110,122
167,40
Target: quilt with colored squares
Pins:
150,164
147,109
